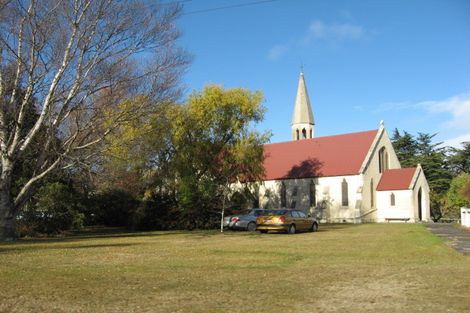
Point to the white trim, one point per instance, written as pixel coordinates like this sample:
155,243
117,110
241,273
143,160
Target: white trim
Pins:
372,149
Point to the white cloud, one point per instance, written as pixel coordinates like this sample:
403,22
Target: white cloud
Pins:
277,52
335,31
458,106
457,141
394,106
319,30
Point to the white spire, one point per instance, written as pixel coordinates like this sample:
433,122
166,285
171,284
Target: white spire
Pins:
302,109
302,118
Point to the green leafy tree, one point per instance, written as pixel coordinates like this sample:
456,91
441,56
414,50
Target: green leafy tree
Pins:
432,157
405,147
459,159
215,145
457,196
54,208
186,156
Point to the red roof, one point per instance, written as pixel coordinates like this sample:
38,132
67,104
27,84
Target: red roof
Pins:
338,155
397,179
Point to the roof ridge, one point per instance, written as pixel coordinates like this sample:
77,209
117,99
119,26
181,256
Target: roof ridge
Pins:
402,168
316,138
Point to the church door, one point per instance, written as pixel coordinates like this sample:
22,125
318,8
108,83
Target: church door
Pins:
420,196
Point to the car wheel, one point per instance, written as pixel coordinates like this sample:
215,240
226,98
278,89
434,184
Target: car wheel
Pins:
291,229
314,227
251,227
264,231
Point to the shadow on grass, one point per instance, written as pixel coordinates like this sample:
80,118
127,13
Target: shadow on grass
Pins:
32,244
81,239
321,229
63,247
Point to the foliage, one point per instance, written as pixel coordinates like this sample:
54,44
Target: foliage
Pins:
53,209
456,196
158,213
215,146
459,159
181,158
405,147
113,207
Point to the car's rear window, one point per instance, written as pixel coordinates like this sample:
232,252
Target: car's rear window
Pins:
275,212
259,212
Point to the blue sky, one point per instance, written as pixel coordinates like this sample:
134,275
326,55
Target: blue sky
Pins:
404,62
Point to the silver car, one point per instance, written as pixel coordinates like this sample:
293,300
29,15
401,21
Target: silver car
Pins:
243,221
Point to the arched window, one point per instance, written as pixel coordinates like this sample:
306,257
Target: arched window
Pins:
297,134
294,197
283,195
344,193
313,195
304,134
383,160
311,133
371,193
392,199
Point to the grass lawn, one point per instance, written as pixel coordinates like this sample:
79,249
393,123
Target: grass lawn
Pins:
342,268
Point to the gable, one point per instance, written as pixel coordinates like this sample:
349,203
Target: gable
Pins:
338,155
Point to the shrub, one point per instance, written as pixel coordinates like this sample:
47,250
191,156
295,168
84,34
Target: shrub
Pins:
158,213
456,196
54,208
113,207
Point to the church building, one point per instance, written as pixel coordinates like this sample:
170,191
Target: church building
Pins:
354,177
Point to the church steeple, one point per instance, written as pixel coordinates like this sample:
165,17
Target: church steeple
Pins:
302,119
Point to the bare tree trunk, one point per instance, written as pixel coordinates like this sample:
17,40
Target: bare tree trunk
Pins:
7,218
7,207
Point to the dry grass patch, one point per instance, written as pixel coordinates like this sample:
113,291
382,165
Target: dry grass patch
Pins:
342,268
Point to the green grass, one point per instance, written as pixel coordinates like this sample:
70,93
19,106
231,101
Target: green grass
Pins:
342,268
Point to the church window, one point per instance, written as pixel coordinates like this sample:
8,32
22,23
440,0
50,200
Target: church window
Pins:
392,199
383,160
371,193
283,195
297,134
294,196
344,193
304,133
311,133
313,195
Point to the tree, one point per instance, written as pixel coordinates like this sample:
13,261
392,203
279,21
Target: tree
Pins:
457,196
77,59
214,146
186,156
459,159
405,147
55,207
432,157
